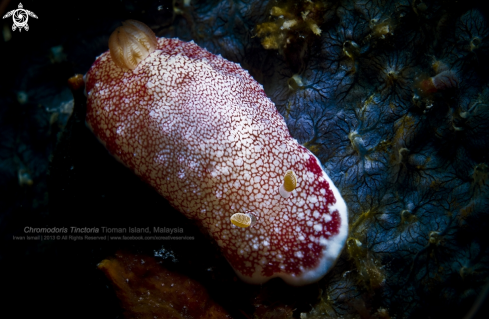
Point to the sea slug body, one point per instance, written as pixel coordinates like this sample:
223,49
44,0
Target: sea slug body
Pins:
202,132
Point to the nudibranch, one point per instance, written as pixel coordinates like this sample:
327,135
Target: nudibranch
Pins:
202,132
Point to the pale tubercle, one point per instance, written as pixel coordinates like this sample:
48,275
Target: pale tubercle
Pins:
289,184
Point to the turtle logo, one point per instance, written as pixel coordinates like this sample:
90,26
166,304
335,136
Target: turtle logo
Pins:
20,17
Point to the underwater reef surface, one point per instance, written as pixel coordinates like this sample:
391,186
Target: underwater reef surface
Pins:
391,96
147,290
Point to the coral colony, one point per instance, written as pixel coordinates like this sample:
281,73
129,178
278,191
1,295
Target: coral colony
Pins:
202,132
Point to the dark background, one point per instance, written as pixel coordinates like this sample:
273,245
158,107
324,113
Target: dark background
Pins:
52,174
